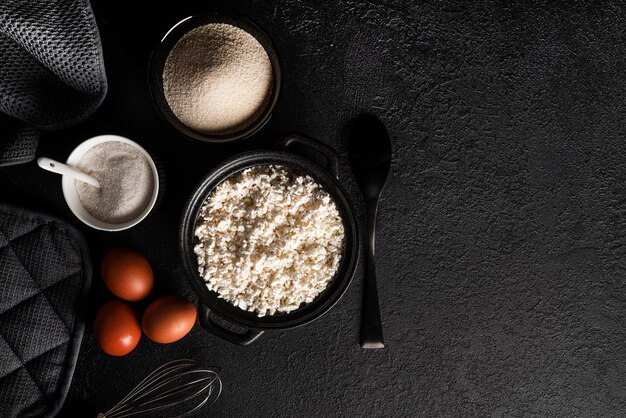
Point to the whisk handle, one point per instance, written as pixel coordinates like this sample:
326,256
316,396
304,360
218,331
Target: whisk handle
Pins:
245,338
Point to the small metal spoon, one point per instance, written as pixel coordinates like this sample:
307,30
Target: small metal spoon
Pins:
369,151
65,170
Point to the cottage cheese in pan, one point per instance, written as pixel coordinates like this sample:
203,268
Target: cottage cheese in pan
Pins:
268,239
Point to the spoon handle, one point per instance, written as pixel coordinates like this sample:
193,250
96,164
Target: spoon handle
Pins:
65,170
371,325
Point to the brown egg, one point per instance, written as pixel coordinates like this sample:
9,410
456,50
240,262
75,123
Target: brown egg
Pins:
168,319
127,274
116,328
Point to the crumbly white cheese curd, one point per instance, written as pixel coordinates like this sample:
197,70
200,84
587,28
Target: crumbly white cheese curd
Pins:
268,239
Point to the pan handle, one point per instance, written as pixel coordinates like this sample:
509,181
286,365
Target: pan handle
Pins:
245,338
319,153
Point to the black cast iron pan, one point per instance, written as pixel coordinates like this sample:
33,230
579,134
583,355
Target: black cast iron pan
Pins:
303,155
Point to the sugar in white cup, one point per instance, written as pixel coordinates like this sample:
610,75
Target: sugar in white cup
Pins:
71,195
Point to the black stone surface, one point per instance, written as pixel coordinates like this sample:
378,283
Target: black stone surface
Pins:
501,231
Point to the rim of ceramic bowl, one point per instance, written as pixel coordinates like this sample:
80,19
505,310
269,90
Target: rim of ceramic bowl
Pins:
171,38
71,196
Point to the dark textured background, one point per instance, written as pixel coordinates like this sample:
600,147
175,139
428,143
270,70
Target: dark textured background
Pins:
502,230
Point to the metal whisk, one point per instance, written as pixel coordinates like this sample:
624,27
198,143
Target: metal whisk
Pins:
178,385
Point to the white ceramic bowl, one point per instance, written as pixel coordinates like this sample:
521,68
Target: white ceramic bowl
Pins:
71,196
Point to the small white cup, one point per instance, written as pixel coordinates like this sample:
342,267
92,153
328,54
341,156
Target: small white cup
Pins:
71,196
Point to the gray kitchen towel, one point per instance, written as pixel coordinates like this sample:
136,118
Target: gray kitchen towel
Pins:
51,71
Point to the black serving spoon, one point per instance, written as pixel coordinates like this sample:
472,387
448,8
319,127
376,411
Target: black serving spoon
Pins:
369,151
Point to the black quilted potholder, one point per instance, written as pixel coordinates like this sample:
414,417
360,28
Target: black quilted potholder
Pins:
51,71
45,273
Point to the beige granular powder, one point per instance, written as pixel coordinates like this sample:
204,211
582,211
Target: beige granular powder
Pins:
217,79
126,182
269,239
